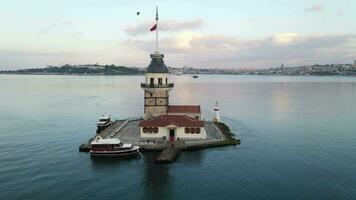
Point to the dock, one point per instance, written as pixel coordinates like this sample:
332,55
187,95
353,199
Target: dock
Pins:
128,131
171,152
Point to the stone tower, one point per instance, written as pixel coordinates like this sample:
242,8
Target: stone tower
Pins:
156,87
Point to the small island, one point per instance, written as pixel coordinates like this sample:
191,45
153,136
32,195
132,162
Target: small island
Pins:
164,127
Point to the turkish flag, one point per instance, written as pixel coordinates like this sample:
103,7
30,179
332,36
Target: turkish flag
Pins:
153,27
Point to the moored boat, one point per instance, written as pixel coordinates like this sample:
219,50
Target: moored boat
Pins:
103,122
112,147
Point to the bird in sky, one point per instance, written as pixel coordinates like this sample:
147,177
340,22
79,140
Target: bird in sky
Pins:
138,13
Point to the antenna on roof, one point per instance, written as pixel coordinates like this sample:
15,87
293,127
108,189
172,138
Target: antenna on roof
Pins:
157,29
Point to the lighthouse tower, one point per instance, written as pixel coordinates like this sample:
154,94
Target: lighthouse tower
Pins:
216,113
156,87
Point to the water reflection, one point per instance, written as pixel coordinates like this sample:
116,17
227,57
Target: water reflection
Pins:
192,157
286,126
280,102
157,180
105,163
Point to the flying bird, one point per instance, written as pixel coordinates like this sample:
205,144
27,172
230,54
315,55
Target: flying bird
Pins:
138,13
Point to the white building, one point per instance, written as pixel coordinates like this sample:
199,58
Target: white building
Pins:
172,127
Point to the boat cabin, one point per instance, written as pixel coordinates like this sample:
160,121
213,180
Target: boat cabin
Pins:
103,122
111,147
100,143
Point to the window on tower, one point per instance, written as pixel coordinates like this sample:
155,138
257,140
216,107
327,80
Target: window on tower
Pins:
152,81
159,81
166,80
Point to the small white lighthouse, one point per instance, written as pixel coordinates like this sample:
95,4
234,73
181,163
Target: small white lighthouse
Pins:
216,113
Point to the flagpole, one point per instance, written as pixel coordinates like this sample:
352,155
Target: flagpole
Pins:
157,29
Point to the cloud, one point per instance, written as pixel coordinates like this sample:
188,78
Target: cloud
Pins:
66,28
144,28
338,13
204,50
199,50
314,8
56,26
27,59
285,38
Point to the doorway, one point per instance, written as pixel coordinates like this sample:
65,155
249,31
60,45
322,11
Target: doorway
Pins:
171,134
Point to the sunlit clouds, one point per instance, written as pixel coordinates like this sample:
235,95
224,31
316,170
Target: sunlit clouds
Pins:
315,8
209,34
228,51
285,38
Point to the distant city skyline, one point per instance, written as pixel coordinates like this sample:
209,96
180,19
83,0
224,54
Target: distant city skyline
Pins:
204,34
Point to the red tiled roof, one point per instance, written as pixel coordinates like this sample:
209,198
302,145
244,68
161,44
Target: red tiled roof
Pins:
178,120
183,109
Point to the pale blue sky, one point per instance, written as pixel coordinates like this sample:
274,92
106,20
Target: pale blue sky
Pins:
208,33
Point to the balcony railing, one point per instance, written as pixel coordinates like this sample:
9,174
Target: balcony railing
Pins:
169,85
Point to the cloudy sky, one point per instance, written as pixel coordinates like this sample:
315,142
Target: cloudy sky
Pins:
206,33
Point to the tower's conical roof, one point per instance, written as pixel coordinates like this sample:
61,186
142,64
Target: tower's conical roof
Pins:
157,65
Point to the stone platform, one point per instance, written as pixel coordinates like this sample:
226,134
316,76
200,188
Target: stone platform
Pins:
128,131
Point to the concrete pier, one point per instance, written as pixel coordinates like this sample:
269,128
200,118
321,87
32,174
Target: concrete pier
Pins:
170,153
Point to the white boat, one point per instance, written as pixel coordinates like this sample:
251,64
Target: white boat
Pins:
111,147
103,122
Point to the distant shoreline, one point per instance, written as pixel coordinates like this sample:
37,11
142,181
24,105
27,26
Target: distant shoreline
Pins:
345,70
271,75
51,74
106,70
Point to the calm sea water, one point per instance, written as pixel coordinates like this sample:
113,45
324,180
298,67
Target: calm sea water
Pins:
298,139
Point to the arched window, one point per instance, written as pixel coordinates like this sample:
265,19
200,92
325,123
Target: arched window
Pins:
160,81
192,130
150,129
155,129
197,130
186,130
145,129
